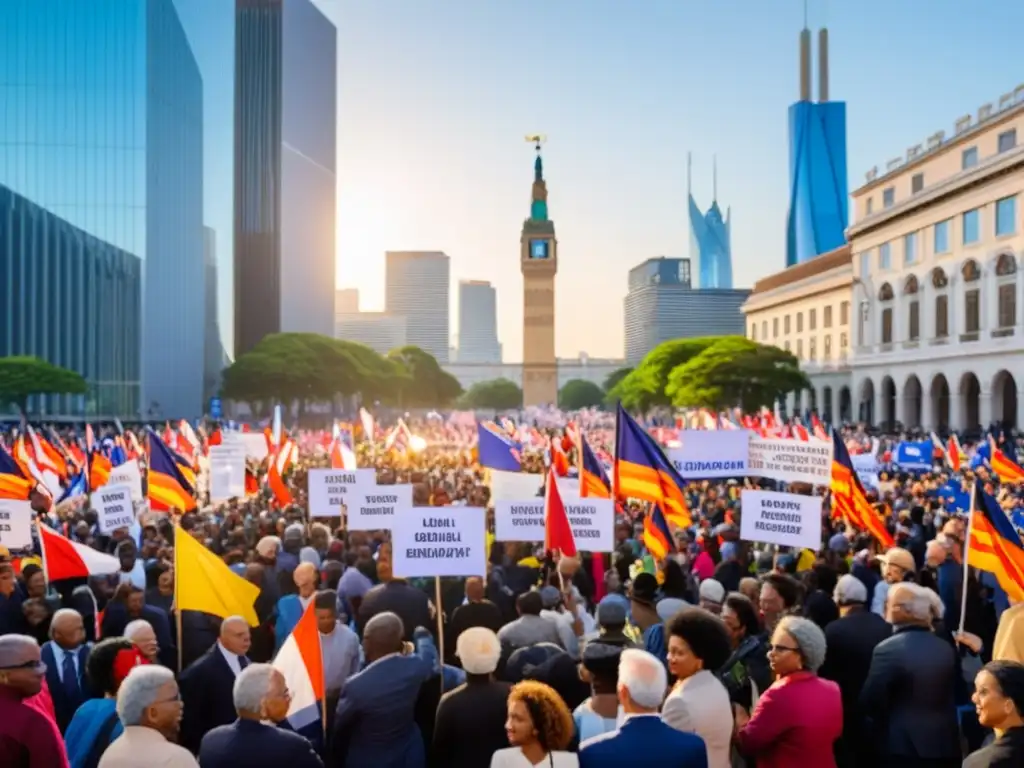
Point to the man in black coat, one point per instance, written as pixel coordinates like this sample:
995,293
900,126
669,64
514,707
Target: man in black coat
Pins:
396,596
65,654
207,683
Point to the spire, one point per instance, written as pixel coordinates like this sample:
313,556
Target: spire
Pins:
805,59
539,196
823,65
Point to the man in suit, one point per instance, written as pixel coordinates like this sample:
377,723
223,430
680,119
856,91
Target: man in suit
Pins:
260,695
395,596
64,655
375,720
641,689
207,683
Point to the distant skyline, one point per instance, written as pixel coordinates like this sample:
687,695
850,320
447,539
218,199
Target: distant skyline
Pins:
434,101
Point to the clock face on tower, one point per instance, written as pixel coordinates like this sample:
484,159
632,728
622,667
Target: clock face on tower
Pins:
538,249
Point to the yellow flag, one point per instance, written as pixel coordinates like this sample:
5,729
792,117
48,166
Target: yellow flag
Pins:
204,583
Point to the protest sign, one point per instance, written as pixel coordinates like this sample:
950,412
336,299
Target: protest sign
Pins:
786,519
439,541
708,454
113,506
15,524
227,472
592,522
526,485
329,489
373,509
867,468
255,444
791,461
128,474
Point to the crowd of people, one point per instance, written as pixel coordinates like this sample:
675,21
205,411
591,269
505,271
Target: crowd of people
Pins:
723,654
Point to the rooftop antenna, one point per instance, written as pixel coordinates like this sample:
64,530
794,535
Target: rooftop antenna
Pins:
805,60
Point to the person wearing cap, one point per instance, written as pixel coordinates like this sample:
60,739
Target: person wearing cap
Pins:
529,628
613,626
897,565
712,595
601,712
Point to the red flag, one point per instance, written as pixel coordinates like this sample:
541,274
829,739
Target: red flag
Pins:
66,559
557,531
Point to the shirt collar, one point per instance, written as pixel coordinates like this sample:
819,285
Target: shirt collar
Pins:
227,654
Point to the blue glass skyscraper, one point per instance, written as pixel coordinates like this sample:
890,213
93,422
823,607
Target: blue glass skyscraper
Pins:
818,193
710,242
101,130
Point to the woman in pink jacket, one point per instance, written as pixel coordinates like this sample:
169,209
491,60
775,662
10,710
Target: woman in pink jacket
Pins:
798,719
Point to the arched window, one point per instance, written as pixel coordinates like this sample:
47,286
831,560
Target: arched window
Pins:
1006,287
971,274
885,295
940,282
913,309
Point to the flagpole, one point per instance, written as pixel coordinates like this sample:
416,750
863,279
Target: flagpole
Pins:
967,547
42,555
440,627
177,605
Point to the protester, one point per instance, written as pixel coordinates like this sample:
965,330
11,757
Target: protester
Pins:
601,712
539,728
27,736
746,674
339,647
65,655
141,633
530,628
999,698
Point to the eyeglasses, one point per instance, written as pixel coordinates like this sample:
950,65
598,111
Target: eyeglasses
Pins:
782,649
175,700
39,667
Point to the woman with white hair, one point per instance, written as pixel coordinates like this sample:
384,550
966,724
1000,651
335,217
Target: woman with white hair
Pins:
142,636
800,716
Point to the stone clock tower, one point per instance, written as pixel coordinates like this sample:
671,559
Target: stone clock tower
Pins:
539,261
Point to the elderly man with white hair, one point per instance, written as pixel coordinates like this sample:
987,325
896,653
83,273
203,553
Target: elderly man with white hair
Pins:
149,706
261,696
141,633
643,736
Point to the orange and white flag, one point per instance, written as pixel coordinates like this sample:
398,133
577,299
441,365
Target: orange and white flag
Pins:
300,660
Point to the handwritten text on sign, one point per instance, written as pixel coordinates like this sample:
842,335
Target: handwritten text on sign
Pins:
15,524
113,505
791,461
438,542
786,519
329,489
592,522
375,508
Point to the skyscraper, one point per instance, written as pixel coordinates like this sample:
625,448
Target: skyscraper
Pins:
710,241
101,143
478,323
213,345
818,193
285,163
416,288
346,300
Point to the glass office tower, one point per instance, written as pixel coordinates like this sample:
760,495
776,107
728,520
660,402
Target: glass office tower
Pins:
101,129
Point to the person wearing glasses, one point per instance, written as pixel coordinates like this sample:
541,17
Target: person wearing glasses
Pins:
261,696
149,706
27,736
798,719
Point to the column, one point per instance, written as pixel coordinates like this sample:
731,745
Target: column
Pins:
956,409
900,409
985,408
877,409
927,413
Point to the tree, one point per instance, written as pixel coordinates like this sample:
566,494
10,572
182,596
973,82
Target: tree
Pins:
580,393
497,394
645,385
428,385
613,378
23,377
734,371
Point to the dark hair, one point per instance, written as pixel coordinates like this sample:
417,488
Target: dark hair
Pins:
1010,676
822,576
674,584
550,716
789,589
99,667
705,633
530,603
745,611
326,599
29,571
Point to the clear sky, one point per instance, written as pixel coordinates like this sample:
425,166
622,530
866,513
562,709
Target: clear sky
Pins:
436,97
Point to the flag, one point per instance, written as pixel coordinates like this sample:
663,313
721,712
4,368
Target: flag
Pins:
993,544
557,531
67,559
14,482
496,450
1007,469
99,470
168,487
849,499
203,582
594,481
657,536
641,471
300,661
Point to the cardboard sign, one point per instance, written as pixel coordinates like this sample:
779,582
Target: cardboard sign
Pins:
332,489
705,454
15,524
439,541
791,461
374,509
227,472
592,522
128,474
114,508
786,519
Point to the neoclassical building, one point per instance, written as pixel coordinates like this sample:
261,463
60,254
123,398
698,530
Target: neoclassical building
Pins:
937,246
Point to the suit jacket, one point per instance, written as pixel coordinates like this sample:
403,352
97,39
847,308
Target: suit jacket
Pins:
375,720
411,605
206,689
1005,752
252,744
470,724
63,707
910,696
700,704
647,736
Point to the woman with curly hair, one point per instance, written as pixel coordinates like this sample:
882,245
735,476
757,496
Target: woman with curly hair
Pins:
539,728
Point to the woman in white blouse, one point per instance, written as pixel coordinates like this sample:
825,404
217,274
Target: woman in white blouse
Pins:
539,728
698,644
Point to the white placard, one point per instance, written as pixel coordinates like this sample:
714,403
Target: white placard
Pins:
439,541
227,472
791,461
128,474
374,509
592,522
15,524
114,508
525,485
705,454
329,489
786,519
255,444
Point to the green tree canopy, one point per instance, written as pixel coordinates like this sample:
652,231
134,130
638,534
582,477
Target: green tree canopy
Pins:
23,377
734,371
645,386
497,394
580,393
427,384
613,378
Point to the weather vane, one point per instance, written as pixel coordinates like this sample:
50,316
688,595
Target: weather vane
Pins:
537,139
